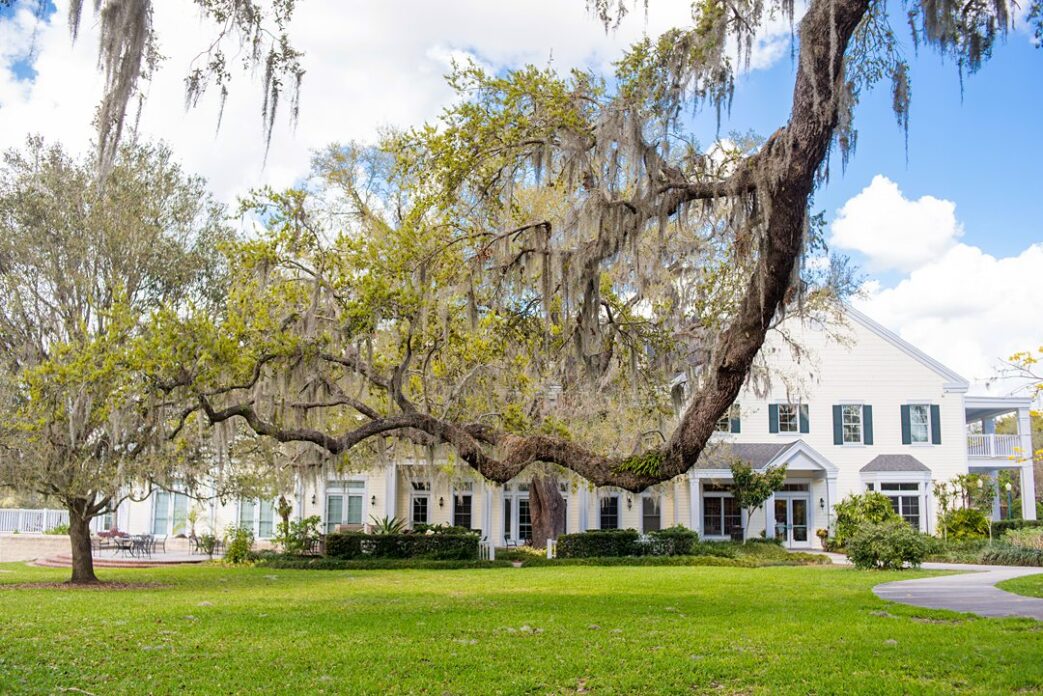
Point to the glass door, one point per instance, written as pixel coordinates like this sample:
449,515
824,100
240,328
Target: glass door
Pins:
791,520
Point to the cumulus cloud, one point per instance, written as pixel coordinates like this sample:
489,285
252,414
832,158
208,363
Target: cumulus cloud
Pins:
893,232
966,308
370,65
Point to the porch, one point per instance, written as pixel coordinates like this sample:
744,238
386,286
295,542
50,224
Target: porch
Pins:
999,437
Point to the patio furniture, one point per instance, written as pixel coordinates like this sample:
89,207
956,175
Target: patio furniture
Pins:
124,545
159,542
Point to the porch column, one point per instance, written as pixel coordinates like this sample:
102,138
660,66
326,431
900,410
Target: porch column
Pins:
693,505
994,476
391,490
831,498
584,505
988,426
769,517
487,510
1028,478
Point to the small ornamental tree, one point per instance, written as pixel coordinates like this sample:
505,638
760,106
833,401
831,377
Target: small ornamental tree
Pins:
752,488
858,510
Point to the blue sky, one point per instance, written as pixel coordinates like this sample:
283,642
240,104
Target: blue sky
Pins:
951,239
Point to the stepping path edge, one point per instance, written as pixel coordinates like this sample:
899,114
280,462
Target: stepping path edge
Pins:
971,591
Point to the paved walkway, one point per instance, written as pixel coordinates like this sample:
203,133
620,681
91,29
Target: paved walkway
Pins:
972,591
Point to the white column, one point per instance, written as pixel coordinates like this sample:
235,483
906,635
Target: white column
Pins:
487,510
1028,478
391,490
994,476
831,498
693,505
584,507
769,516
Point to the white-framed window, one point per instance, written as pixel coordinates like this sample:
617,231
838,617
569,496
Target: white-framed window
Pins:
852,423
730,421
651,514
905,500
919,423
345,502
258,516
789,418
420,503
721,514
517,518
169,513
609,514
462,505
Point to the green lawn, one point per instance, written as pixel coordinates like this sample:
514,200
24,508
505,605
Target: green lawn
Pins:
531,630
1031,585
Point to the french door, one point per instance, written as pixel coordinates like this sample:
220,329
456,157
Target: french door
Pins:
791,520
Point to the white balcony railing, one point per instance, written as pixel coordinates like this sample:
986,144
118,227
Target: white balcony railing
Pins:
994,446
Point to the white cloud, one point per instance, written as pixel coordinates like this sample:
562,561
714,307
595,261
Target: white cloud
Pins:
967,309
893,232
369,65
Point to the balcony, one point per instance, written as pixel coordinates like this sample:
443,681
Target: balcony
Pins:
994,446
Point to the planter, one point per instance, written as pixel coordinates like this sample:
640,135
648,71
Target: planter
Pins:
517,564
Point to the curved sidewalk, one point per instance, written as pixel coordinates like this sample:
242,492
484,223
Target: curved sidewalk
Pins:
972,592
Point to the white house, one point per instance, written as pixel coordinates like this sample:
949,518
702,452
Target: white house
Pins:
871,412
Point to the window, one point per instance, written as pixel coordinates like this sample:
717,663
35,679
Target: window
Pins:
161,513
609,518
265,519
462,506
524,520
170,513
344,503
852,423
789,418
420,509
905,500
919,423
720,514
246,514
729,422
650,514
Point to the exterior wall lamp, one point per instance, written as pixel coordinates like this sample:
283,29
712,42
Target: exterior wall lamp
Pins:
821,503
629,502
441,501
312,498
373,500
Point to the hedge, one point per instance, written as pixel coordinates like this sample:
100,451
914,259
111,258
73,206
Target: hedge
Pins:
1001,526
441,547
601,542
1004,554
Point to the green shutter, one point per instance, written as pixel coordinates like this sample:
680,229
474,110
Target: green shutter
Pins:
805,426
735,422
907,435
773,418
936,424
838,426
867,424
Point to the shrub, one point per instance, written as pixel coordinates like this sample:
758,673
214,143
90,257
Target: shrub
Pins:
964,523
599,542
1026,538
354,545
1006,554
672,541
441,529
1001,526
856,511
887,546
62,528
239,543
207,544
300,535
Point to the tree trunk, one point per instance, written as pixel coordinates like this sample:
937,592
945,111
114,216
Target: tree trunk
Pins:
80,539
546,509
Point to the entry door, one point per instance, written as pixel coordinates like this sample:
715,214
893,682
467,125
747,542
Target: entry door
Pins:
791,520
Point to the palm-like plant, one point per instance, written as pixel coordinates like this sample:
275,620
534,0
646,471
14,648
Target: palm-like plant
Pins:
387,525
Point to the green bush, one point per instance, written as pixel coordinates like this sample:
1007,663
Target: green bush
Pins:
999,527
58,529
300,535
1006,554
856,511
441,529
672,541
887,546
1026,538
964,523
239,543
443,546
598,542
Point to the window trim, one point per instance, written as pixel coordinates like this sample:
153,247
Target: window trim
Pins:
926,406
619,510
860,410
795,407
659,509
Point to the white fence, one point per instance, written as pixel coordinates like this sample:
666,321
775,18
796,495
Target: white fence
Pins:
1005,446
31,521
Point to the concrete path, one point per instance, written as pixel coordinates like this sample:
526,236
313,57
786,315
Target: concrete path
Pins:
972,592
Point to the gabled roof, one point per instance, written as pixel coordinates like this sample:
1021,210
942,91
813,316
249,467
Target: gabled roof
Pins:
756,454
894,462
954,382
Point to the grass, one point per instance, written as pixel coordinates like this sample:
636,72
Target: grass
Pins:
1030,585
775,630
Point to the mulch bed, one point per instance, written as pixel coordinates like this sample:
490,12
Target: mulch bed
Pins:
102,586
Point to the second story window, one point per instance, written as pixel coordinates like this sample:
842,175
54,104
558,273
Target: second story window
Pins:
852,424
921,424
852,414
788,418
729,422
